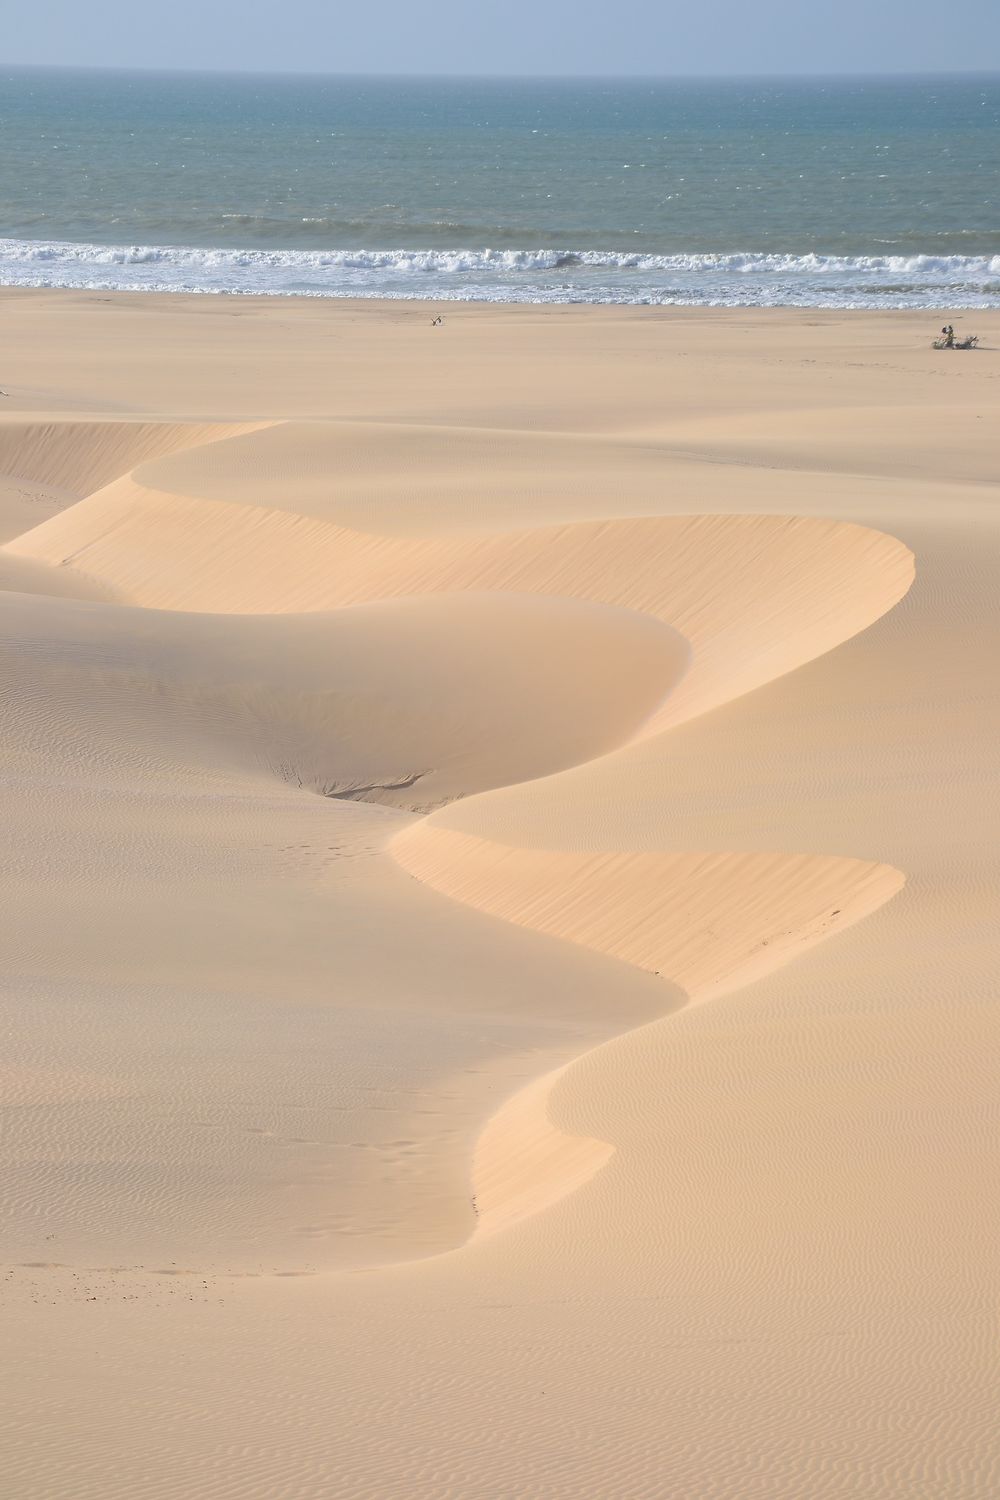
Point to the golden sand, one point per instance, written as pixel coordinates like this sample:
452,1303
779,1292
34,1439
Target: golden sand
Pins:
501,833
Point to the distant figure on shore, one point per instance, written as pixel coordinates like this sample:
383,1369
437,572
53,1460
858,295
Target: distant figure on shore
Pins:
436,321
949,341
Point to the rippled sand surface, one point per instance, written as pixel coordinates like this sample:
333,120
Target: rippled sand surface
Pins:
500,865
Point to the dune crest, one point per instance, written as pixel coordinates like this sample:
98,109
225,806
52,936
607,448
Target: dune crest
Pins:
523,1163
754,595
85,455
707,923
409,702
265,637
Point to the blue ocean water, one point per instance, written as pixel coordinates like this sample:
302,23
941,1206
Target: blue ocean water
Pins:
822,192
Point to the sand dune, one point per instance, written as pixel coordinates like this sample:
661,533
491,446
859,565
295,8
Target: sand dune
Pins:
753,595
410,701
703,921
499,880
523,1163
79,457
706,923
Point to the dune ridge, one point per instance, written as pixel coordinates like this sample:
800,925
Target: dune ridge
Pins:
523,1163
716,924
84,455
739,599
353,702
755,596
706,922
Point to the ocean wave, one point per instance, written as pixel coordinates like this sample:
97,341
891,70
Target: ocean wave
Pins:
531,275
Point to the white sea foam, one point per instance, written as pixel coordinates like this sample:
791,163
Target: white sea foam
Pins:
540,275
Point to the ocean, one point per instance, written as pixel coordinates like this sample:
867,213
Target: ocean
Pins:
865,192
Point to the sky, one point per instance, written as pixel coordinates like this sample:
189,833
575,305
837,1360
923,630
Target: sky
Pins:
519,37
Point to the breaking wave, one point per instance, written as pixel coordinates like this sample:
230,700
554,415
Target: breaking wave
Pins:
541,275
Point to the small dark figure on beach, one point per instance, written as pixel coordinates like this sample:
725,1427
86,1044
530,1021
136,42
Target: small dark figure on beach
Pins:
436,321
949,341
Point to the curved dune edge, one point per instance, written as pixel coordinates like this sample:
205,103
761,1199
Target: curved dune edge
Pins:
84,456
754,595
407,702
716,923
22,575
702,921
523,1163
73,458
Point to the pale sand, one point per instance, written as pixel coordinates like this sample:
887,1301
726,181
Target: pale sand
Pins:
500,902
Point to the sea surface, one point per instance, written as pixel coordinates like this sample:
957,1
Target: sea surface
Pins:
814,193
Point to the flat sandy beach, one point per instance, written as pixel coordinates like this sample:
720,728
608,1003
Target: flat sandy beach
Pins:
500,902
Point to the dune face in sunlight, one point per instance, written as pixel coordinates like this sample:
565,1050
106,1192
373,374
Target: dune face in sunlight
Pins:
426,669
80,457
754,596
421,842
703,921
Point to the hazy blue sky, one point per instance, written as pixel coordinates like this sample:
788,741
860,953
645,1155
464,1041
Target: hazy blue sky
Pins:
510,36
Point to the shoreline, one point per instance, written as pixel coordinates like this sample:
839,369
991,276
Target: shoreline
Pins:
354,303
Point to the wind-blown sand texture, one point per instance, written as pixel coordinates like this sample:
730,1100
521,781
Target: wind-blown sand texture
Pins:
500,894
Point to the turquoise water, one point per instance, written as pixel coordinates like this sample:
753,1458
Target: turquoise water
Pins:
821,192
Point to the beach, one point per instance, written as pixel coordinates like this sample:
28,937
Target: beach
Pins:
501,849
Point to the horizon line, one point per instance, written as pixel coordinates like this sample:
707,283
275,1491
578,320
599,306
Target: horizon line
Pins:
873,74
